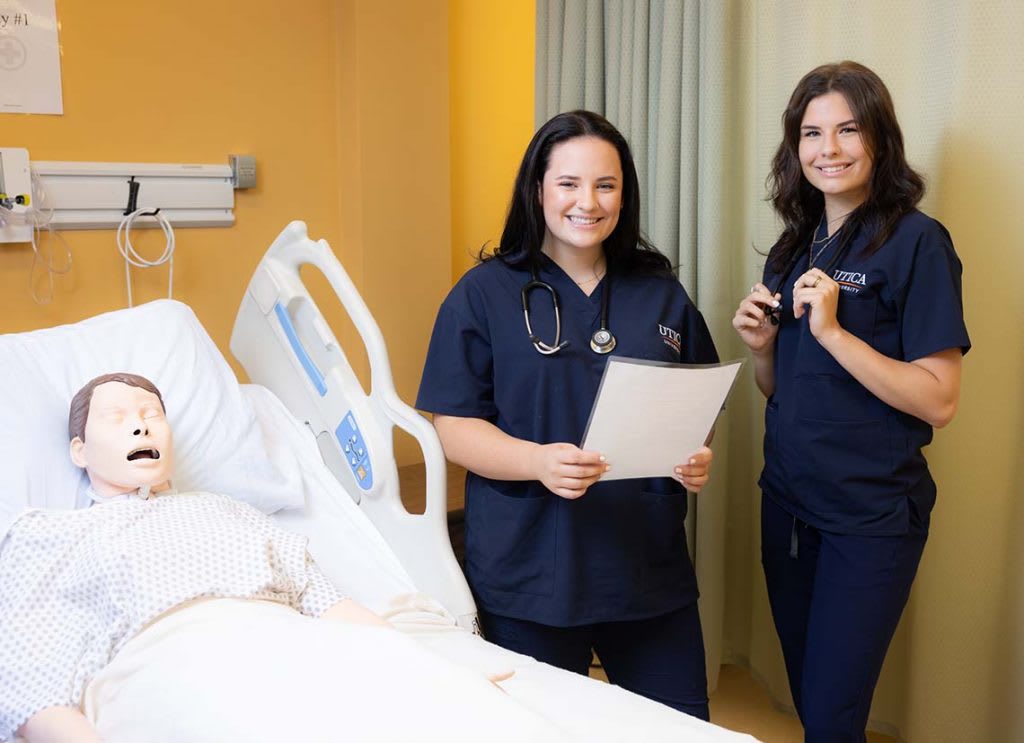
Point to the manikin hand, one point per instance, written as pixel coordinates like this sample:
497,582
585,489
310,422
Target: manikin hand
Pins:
353,612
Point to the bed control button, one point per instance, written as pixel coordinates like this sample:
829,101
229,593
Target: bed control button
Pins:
354,451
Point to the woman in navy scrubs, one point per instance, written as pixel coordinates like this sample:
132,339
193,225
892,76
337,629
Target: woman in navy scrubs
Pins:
857,335
560,562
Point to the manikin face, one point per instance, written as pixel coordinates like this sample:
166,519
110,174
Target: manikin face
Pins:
581,195
127,441
832,152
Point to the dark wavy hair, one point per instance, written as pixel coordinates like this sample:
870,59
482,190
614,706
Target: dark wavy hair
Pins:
894,189
626,250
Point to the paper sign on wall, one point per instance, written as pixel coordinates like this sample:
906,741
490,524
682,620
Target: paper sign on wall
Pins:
29,58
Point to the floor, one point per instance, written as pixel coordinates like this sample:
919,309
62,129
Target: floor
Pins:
741,704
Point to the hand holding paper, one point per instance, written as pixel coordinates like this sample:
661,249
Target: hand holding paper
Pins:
651,416
695,473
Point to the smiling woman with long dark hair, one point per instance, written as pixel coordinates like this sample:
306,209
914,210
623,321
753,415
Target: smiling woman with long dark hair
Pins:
562,563
857,335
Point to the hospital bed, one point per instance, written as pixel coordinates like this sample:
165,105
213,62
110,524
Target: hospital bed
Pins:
308,444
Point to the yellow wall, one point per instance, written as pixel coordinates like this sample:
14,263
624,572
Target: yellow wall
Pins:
186,82
345,106
394,196
492,64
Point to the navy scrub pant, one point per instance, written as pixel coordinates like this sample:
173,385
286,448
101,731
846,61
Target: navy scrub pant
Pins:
660,658
836,600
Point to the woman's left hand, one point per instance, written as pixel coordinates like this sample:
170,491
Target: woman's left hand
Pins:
818,295
694,475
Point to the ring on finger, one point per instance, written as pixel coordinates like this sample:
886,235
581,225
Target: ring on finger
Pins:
817,280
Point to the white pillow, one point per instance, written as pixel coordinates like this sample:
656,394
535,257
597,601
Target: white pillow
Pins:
218,445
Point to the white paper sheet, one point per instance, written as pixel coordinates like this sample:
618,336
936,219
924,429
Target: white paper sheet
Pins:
651,416
29,58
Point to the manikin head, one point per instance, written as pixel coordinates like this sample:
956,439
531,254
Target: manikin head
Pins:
120,435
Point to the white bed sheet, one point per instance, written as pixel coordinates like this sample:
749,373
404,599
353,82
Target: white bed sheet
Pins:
352,553
228,670
209,673
593,710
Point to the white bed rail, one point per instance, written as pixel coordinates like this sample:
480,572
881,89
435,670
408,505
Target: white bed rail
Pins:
286,345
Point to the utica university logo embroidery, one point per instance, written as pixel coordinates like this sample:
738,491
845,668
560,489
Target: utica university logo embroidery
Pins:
672,339
850,281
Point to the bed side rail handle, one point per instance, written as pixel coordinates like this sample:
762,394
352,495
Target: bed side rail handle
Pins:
293,249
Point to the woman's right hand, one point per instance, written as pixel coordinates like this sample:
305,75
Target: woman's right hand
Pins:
752,322
566,470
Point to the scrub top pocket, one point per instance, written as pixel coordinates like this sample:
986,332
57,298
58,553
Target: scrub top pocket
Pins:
856,315
511,541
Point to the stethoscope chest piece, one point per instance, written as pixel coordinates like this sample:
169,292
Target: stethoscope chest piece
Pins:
602,341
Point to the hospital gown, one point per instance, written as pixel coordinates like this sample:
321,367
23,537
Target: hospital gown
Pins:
75,586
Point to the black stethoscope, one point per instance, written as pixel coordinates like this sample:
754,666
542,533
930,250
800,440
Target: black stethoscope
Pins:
602,341
775,313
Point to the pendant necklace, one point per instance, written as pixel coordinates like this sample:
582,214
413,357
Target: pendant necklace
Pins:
813,257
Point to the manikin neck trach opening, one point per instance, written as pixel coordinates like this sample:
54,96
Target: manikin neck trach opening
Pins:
142,493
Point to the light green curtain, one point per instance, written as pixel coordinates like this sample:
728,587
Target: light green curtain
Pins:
698,88
659,72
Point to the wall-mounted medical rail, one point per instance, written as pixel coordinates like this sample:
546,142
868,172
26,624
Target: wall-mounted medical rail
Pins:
95,195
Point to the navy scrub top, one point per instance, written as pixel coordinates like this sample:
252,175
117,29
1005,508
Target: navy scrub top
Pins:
617,553
836,456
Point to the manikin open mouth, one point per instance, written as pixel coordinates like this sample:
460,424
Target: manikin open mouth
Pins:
143,454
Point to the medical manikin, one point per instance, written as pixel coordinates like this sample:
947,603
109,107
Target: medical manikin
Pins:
80,586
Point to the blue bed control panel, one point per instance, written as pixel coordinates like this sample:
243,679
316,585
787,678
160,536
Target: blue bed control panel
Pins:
353,447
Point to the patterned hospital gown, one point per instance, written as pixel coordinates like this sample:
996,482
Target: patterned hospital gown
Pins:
75,586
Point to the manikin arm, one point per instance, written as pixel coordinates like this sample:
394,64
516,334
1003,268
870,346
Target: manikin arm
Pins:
58,725
352,612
